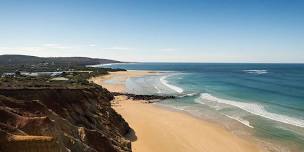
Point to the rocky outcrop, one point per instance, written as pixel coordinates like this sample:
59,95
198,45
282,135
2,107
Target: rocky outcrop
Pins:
149,98
60,119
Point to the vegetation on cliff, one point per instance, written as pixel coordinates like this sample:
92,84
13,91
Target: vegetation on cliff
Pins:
33,60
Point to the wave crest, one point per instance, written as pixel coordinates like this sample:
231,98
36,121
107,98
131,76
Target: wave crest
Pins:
255,109
241,120
256,71
173,87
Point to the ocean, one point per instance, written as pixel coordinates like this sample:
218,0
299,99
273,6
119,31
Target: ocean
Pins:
262,100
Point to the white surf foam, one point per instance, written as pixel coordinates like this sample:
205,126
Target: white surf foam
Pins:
158,90
241,120
191,94
165,82
255,109
256,71
188,95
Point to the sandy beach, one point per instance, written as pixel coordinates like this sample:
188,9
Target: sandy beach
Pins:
161,130
118,79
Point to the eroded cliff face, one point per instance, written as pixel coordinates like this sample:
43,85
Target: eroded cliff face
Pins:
60,119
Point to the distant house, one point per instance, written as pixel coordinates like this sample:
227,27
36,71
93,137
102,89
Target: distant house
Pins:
36,74
8,75
11,75
32,74
59,79
42,74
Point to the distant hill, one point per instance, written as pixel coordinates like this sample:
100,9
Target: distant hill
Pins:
29,60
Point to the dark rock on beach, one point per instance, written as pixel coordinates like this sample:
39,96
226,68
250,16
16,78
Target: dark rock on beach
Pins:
144,97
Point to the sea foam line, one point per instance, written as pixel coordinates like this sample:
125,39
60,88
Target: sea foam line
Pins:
188,95
241,120
158,90
255,109
165,82
256,71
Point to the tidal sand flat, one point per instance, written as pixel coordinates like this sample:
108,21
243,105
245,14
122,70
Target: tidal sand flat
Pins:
115,81
158,129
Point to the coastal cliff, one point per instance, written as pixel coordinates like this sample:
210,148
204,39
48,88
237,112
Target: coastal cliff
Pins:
63,119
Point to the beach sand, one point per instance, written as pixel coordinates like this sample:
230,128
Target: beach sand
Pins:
119,78
158,129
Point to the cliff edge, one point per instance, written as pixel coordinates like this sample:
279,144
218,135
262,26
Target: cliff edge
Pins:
60,119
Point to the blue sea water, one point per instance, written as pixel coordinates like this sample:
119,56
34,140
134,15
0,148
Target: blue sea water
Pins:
267,99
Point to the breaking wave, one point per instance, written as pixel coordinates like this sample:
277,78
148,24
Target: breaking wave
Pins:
241,120
255,109
256,71
173,87
188,95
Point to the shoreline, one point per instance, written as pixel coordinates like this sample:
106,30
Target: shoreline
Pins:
158,128
120,78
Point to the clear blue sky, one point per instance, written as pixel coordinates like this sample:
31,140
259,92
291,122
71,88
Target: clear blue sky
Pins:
167,30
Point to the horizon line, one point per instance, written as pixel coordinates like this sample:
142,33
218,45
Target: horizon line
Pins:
195,62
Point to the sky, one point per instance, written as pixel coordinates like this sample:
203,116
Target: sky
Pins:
156,30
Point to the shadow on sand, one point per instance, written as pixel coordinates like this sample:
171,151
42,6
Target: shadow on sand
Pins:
131,135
